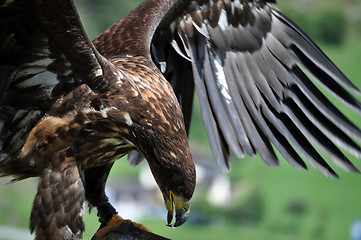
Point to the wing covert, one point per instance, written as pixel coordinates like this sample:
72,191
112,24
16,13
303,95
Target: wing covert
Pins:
44,54
44,51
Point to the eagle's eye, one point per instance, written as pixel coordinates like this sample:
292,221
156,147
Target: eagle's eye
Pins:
182,190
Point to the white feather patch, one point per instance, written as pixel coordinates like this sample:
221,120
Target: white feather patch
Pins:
44,62
98,72
222,83
128,119
67,233
173,155
223,21
43,78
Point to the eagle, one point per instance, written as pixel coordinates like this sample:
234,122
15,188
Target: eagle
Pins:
70,107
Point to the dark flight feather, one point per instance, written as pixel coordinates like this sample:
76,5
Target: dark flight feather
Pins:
247,59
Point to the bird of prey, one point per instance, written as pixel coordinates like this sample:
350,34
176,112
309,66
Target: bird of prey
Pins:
70,107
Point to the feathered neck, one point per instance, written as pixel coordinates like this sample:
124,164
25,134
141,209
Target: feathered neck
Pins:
133,34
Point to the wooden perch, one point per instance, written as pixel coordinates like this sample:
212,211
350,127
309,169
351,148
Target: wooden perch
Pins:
126,231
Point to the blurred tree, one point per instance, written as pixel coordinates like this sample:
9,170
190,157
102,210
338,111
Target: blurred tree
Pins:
99,15
326,25
331,27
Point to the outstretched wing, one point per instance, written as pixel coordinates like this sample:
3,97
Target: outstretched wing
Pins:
44,54
252,67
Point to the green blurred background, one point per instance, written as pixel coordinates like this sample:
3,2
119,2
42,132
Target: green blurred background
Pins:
265,203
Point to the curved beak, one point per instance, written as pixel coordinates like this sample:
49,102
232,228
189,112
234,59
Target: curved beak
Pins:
181,208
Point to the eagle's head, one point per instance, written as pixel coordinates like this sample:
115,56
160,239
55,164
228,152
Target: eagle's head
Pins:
168,154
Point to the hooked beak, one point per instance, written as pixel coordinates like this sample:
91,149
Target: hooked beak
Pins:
181,208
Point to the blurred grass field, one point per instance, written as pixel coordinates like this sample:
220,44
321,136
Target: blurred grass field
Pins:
292,204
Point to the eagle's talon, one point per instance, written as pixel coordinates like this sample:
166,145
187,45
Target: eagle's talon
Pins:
114,222
106,212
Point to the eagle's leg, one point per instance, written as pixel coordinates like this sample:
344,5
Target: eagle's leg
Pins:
95,180
57,211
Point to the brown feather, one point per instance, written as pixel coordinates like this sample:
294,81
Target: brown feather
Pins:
58,206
